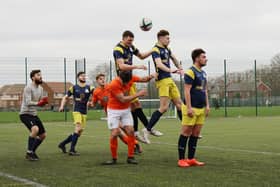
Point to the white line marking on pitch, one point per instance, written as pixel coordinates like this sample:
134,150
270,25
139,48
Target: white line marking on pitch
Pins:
210,147
226,149
22,180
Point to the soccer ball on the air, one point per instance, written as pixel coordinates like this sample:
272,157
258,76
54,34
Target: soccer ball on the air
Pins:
146,24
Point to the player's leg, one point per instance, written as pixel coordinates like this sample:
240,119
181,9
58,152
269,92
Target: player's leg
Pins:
126,121
124,138
192,144
41,135
164,95
186,131
122,135
113,125
164,104
137,112
176,99
79,121
29,122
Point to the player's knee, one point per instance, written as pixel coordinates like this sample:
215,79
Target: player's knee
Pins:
35,129
178,106
42,136
163,109
80,131
115,132
130,131
78,128
187,130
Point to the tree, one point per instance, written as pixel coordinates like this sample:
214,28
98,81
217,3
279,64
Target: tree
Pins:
102,68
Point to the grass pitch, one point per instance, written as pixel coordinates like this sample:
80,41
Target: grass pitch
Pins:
240,151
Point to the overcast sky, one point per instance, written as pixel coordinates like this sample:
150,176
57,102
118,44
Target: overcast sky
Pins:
238,30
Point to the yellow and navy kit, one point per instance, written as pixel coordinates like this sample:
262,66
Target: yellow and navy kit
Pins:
81,95
164,53
124,52
197,78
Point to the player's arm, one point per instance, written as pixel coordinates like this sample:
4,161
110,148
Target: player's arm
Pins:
94,99
118,54
63,102
146,78
189,78
65,99
161,66
188,99
207,109
126,67
127,98
176,61
28,99
143,55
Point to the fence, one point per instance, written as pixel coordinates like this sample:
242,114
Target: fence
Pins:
250,88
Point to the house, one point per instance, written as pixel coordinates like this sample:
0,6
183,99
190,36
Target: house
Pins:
247,89
11,95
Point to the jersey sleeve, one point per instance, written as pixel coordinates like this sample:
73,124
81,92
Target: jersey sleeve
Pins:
135,51
189,77
70,91
94,96
118,52
155,53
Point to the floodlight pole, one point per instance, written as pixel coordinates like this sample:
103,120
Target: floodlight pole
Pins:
256,86
149,84
76,67
25,60
65,111
85,66
225,76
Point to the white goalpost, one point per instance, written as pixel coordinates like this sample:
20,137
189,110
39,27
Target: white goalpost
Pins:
150,105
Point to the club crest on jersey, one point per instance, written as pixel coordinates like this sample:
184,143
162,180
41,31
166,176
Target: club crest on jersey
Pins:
86,91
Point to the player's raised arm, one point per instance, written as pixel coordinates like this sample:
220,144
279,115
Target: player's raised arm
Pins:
126,67
161,66
146,78
175,61
143,55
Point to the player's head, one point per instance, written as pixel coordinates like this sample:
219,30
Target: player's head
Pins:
36,77
100,79
81,76
163,37
125,76
199,57
127,38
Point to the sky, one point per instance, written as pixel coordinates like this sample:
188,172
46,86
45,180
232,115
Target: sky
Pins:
237,30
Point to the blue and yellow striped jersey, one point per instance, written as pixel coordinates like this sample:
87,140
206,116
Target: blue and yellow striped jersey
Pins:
197,78
124,52
164,53
81,95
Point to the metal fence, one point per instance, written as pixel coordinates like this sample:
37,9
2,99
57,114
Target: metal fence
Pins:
235,89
